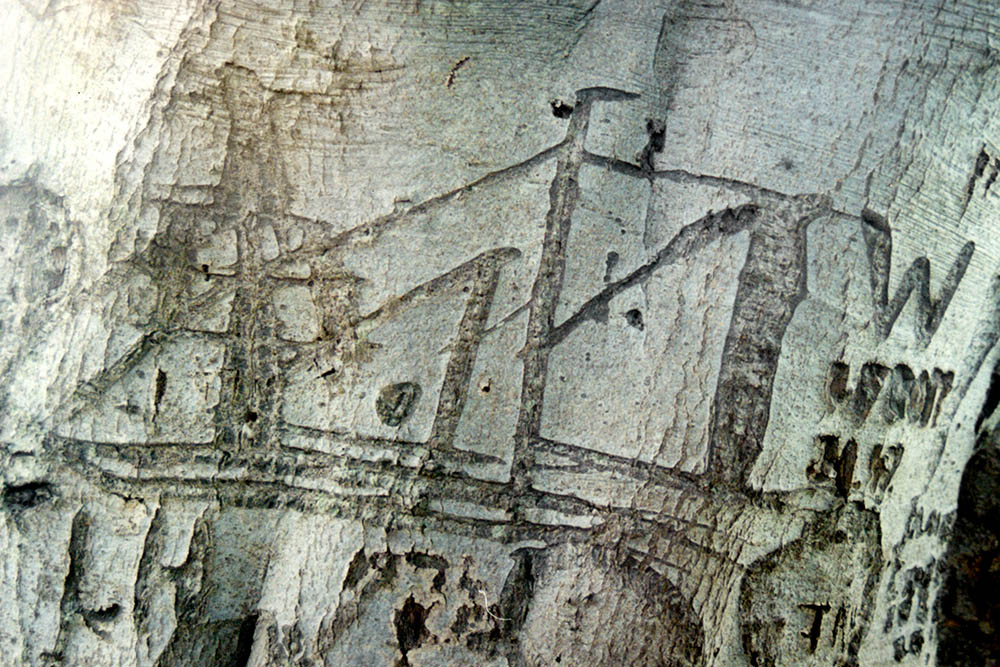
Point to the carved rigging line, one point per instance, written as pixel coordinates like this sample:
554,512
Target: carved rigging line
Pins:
371,229
492,259
689,239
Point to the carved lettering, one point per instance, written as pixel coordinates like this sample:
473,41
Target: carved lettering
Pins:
917,399
916,280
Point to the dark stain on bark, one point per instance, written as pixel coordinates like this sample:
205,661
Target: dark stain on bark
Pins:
411,629
419,559
396,402
26,496
356,570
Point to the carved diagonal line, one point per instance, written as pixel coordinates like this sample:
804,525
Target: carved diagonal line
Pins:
688,241
458,373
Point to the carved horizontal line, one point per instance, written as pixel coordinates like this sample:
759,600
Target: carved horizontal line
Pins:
344,439
318,433
645,471
54,441
331,474
266,495
679,175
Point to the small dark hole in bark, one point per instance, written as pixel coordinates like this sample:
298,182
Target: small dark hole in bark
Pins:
634,319
159,389
916,642
994,172
251,416
981,161
561,109
845,468
610,262
425,560
105,614
656,130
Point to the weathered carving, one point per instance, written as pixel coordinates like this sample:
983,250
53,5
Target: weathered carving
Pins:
274,322
803,600
272,380
918,399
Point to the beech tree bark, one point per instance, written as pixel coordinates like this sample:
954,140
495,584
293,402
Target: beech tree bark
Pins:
621,332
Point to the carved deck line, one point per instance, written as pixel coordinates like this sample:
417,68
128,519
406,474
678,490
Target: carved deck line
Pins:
295,470
264,491
443,456
264,495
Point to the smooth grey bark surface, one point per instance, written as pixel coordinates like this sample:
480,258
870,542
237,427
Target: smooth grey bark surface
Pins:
433,333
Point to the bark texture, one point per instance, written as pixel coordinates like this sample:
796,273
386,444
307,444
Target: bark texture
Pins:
430,333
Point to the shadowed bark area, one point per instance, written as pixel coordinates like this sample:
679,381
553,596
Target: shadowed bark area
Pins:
968,610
